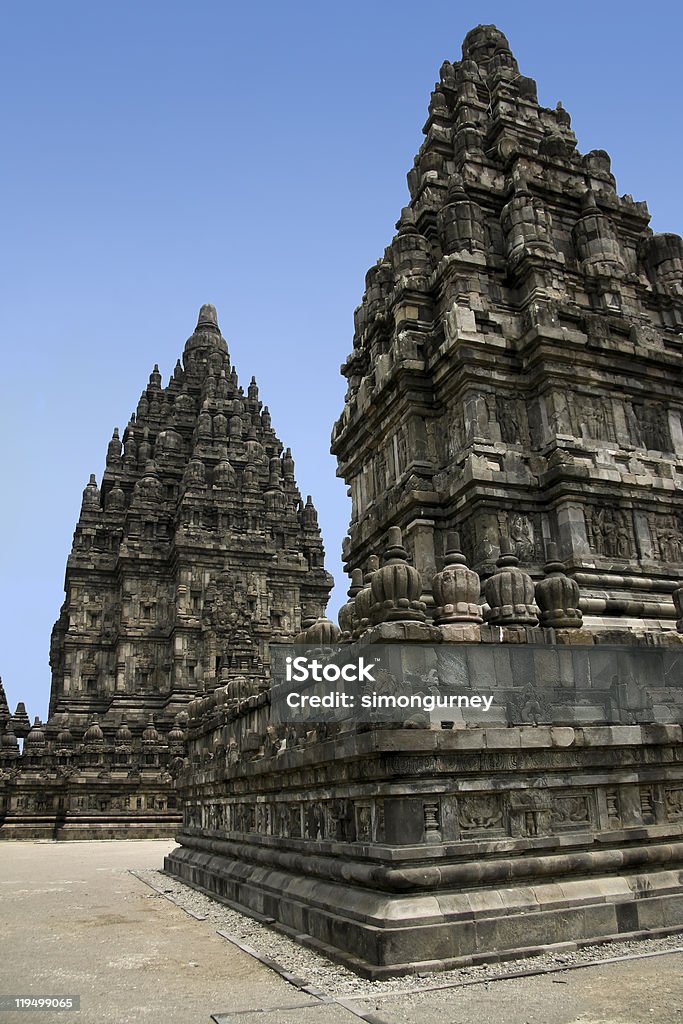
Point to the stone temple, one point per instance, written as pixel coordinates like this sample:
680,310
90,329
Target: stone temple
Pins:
513,444
514,402
194,554
516,364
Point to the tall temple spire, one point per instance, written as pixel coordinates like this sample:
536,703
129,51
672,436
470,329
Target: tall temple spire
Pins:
188,560
204,481
516,358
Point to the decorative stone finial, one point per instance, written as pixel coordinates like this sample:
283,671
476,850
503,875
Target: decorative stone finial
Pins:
224,476
36,737
396,586
208,319
557,595
114,449
364,597
288,465
150,736
64,739
460,221
123,733
510,592
91,496
596,239
116,498
93,733
456,588
308,617
347,612
274,479
9,746
482,42
322,633
663,255
21,723
562,116
309,516
195,473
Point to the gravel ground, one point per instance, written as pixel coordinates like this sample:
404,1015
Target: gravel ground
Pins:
336,980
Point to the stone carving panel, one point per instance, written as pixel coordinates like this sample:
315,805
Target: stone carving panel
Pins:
511,417
364,821
649,427
610,531
525,534
592,417
530,812
673,802
480,813
571,811
667,537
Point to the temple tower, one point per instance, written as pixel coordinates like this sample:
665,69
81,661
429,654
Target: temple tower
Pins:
193,553
513,418
196,550
516,363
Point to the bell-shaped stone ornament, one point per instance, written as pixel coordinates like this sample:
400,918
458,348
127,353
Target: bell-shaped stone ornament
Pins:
91,496
456,588
396,586
323,633
364,597
347,612
510,592
557,595
114,449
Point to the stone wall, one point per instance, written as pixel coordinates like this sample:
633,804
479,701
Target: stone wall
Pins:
395,849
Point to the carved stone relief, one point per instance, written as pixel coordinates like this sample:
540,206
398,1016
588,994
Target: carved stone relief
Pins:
610,531
480,813
649,427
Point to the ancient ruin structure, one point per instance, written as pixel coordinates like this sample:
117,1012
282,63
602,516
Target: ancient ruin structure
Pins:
194,553
516,377
516,363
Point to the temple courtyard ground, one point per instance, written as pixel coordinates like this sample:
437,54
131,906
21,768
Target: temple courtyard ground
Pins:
76,920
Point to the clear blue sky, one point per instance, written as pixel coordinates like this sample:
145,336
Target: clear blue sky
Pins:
159,155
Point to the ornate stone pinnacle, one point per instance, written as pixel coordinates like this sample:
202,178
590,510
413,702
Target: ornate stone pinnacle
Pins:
456,588
482,42
347,613
322,633
208,318
396,586
363,601
9,745
557,595
510,592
